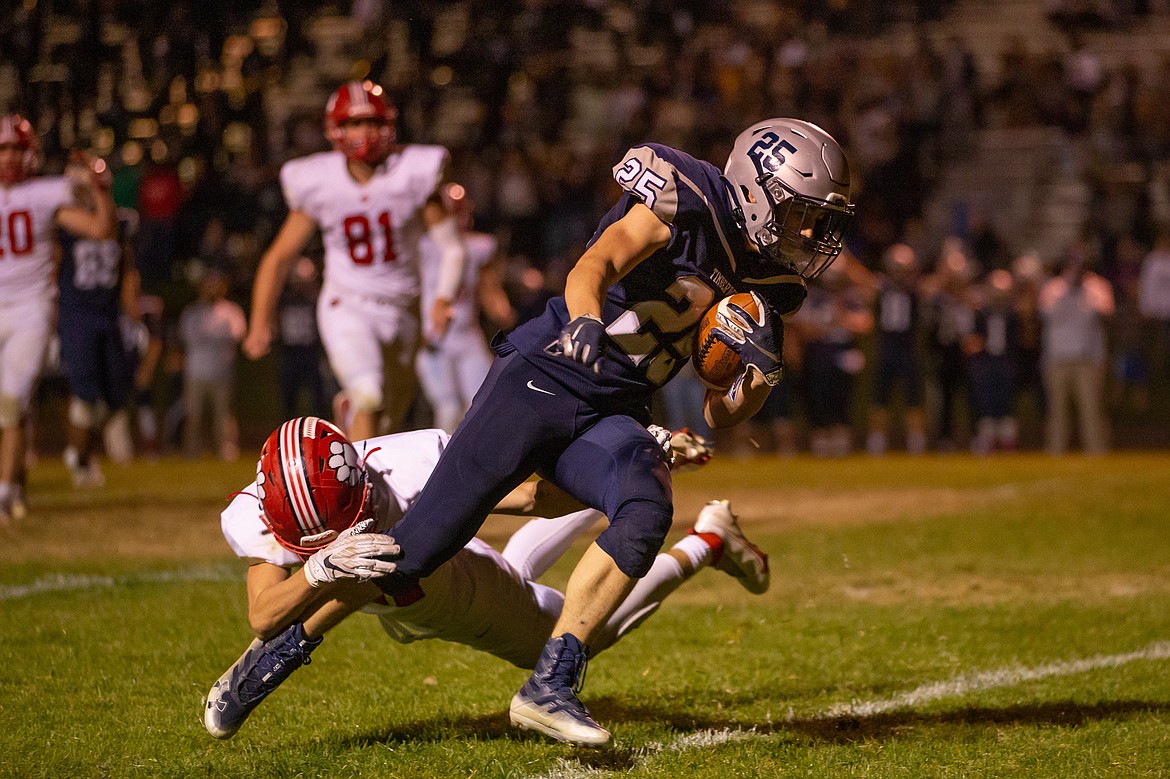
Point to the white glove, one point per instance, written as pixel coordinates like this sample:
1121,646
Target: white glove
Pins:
662,437
688,451
356,556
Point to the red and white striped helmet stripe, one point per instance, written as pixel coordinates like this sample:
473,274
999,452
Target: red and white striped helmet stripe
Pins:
8,134
359,101
294,472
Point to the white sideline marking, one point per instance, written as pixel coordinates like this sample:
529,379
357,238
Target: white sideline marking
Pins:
1004,677
986,680
65,582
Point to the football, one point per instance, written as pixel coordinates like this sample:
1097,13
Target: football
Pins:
715,362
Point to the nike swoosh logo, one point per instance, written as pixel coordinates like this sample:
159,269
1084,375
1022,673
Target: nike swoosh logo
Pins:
532,386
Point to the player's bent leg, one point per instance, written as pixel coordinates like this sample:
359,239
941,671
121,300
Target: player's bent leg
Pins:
733,554
260,670
539,543
11,454
547,703
365,397
509,433
619,467
668,573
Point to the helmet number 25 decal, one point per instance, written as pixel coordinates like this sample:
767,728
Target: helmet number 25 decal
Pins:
646,183
16,232
361,239
763,151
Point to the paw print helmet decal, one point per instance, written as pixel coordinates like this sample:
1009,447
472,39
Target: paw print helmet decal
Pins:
311,484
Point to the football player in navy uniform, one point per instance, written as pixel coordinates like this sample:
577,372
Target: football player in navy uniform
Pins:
568,395
98,286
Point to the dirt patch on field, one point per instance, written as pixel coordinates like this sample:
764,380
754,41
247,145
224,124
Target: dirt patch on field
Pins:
982,590
163,534
162,528
784,509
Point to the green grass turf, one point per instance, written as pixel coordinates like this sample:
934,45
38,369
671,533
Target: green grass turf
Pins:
888,576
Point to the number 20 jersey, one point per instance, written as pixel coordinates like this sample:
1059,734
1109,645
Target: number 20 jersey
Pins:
27,211
651,315
370,231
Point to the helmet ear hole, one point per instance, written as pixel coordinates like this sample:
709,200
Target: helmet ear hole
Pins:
748,196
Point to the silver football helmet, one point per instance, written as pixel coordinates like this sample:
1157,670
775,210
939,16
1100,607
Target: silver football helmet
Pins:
790,184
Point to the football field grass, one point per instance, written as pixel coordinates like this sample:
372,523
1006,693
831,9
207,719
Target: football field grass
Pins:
928,617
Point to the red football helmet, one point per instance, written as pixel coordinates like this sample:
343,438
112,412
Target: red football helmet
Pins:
360,100
16,131
311,485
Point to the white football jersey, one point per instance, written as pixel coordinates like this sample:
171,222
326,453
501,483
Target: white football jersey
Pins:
371,231
398,468
476,598
27,210
481,247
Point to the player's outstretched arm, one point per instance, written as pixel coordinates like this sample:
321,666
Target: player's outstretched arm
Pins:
444,232
98,220
493,300
276,597
274,268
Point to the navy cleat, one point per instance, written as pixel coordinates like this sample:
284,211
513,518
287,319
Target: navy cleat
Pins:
259,671
548,700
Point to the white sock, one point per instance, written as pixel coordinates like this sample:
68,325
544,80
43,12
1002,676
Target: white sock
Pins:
696,549
664,577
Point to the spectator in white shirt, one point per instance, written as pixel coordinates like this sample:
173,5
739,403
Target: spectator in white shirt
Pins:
1074,306
211,329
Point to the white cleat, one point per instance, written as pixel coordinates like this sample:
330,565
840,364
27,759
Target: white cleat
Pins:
118,441
88,476
739,557
17,507
548,702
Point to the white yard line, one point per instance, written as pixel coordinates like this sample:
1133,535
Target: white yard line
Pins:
67,582
1003,677
986,680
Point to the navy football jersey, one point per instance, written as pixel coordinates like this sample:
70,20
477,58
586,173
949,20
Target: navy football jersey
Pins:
651,314
897,313
90,276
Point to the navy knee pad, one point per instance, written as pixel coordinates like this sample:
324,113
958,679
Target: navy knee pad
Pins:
640,506
635,534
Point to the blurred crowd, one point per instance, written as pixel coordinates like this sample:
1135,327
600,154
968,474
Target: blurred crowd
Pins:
948,358
195,106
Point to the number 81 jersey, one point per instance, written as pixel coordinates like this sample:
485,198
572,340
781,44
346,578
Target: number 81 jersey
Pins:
370,231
